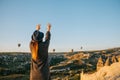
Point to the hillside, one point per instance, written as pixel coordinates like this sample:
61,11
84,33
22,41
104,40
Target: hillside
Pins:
111,72
66,65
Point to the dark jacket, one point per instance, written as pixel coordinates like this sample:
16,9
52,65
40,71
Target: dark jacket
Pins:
40,67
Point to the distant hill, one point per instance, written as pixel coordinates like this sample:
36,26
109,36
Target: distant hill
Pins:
63,65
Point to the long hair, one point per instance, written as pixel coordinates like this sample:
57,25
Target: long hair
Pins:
34,50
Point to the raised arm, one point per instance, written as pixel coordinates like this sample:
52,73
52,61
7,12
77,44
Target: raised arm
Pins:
48,35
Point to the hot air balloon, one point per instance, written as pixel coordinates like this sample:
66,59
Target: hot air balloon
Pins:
53,50
72,50
19,44
81,48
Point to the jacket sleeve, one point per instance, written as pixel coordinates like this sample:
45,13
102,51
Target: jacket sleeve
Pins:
47,38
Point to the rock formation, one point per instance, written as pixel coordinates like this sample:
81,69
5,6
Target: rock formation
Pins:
100,63
107,63
114,59
111,72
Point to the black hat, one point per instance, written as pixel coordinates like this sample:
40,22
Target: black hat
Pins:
37,36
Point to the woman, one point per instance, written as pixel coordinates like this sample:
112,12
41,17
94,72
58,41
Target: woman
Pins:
39,52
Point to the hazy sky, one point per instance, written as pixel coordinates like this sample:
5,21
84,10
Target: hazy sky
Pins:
93,24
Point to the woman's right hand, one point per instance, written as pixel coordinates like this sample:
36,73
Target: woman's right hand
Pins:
48,27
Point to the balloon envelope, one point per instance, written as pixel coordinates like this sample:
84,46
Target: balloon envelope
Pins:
19,45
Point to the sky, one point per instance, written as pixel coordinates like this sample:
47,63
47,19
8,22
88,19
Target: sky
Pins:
92,24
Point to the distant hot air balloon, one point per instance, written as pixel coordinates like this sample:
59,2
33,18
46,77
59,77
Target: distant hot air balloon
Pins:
81,47
53,50
72,50
19,44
